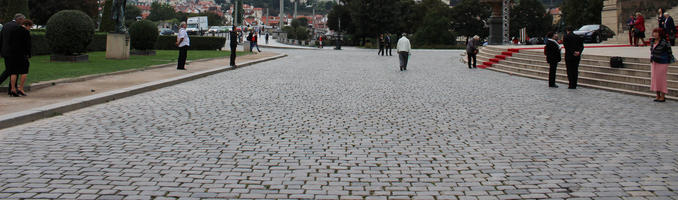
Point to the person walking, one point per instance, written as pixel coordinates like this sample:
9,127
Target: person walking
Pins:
404,49
21,71
553,57
630,25
670,28
266,37
255,42
10,50
234,45
320,41
389,45
639,25
249,38
472,50
574,46
381,45
662,57
183,42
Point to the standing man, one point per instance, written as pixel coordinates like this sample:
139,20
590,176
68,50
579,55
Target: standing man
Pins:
472,50
9,45
250,38
381,45
234,45
183,42
670,28
552,52
574,45
404,49
267,37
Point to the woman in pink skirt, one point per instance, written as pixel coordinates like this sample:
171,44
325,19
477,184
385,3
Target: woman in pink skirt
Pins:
661,58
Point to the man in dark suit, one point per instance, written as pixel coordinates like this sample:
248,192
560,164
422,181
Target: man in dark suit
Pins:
670,28
574,45
234,45
9,46
552,52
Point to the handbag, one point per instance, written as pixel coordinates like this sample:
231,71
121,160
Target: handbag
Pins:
617,62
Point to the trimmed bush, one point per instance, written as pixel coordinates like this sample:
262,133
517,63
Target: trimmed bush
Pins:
98,42
69,32
40,44
197,43
143,34
107,24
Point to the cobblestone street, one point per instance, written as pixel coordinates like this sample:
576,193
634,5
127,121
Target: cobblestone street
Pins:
325,124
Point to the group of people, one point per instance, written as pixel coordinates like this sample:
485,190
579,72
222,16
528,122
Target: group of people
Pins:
385,48
253,38
184,43
574,46
636,26
661,58
15,48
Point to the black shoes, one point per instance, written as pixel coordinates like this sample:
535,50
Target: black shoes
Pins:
13,94
657,100
20,93
553,86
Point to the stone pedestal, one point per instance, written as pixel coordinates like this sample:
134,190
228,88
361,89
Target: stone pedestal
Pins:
246,46
496,35
117,46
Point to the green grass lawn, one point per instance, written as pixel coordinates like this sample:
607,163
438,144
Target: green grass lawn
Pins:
42,69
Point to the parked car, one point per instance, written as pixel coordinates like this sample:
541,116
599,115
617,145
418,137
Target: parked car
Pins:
166,31
594,33
214,29
536,40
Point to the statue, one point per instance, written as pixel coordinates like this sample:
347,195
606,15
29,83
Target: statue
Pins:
118,15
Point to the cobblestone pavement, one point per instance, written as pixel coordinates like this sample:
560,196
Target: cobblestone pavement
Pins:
347,124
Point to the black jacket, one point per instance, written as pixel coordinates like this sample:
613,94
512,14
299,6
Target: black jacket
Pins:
234,39
552,52
670,26
573,43
15,41
661,53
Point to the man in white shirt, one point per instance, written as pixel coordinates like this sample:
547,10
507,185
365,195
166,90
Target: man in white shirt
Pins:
404,49
183,42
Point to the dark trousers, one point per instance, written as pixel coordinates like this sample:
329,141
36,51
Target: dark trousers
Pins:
233,55
389,50
183,52
381,50
404,56
572,71
553,68
471,57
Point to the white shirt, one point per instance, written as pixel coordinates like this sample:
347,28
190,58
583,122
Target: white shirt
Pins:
404,45
183,34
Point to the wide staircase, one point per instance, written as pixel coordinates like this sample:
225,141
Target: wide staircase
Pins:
594,71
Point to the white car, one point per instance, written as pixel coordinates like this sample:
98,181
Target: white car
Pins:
214,29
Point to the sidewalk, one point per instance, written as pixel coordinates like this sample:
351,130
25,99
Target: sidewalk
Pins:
68,91
275,44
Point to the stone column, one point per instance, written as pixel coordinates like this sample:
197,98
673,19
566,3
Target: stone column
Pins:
495,22
610,15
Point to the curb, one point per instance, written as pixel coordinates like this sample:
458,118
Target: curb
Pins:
279,47
45,84
56,109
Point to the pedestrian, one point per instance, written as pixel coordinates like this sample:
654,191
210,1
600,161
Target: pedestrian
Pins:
320,41
389,46
661,58
13,49
639,25
381,45
266,37
183,42
574,46
404,49
670,28
249,38
472,50
660,18
234,45
21,72
630,23
255,42
553,57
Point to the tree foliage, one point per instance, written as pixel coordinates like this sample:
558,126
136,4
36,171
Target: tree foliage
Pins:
161,11
532,15
107,24
582,12
69,32
10,7
42,10
469,18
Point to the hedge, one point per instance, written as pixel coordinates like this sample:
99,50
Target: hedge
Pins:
40,44
166,42
69,32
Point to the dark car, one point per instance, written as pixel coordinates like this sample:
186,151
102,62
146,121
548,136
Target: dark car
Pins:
594,33
166,31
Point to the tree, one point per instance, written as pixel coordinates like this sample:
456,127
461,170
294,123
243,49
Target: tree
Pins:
469,17
160,11
107,24
434,30
582,12
532,15
340,11
10,7
132,12
239,18
42,10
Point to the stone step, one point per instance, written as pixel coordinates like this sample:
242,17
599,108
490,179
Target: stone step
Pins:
592,74
605,59
616,85
598,62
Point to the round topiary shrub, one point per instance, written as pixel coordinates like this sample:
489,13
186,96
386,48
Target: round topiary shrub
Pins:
69,32
143,35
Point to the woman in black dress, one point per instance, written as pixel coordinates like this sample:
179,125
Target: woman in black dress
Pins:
20,70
